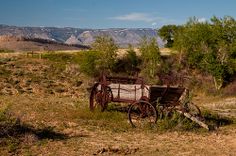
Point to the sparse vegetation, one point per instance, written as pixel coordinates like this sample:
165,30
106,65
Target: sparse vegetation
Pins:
49,114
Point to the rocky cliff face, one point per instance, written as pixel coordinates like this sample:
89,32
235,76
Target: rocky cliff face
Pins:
122,37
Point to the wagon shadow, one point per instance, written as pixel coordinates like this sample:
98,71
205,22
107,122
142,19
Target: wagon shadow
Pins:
215,120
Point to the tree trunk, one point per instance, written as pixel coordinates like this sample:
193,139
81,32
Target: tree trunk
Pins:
218,83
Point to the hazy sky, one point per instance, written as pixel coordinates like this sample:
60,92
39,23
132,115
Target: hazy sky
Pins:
110,13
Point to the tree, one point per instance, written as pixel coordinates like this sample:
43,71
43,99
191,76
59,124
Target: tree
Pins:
150,56
167,33
88,62
132,57
208,46
107,48
128,63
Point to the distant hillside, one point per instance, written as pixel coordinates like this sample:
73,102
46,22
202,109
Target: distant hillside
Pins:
122,36
17,43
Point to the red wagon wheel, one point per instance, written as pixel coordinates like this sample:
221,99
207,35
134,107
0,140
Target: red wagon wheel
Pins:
142,114
100,97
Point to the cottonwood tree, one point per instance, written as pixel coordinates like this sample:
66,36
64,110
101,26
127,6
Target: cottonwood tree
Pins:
107,48
208,46
167,33
150,55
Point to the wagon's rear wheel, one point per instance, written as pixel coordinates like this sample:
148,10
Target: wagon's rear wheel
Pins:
193,110
142,114
99,98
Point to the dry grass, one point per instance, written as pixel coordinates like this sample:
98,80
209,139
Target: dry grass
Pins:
87,133
164,51
106,133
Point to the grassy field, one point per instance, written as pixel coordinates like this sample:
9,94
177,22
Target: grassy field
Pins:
44,111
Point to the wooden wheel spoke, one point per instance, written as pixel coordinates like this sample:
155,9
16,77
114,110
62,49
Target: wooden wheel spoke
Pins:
99,97
142,114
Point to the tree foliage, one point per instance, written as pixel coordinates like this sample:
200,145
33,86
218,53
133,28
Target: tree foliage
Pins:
107,48
128,63
167,33
150,55
88,62
209,46
132,57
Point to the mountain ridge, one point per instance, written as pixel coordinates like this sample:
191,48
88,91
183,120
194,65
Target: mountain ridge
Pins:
71,36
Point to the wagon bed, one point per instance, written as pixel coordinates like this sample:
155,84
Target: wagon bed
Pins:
134,89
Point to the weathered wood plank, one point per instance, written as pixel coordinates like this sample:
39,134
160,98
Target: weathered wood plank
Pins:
129,92
194,119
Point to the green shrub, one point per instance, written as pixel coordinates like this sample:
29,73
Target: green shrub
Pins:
176,121
128,64
87,61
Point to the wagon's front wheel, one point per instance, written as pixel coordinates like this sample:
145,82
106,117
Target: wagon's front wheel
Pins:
142,114
99,98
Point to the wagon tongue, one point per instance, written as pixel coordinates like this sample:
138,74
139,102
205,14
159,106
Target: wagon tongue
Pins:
195,119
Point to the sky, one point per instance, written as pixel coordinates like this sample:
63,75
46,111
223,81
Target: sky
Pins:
111,13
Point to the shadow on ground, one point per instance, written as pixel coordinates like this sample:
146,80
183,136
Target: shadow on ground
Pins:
216,120
16,129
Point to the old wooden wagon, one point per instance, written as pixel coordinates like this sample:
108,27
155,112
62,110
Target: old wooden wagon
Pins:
147,103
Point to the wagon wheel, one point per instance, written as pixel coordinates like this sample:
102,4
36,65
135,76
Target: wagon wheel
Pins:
165,111
99,98
142,114
193,110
